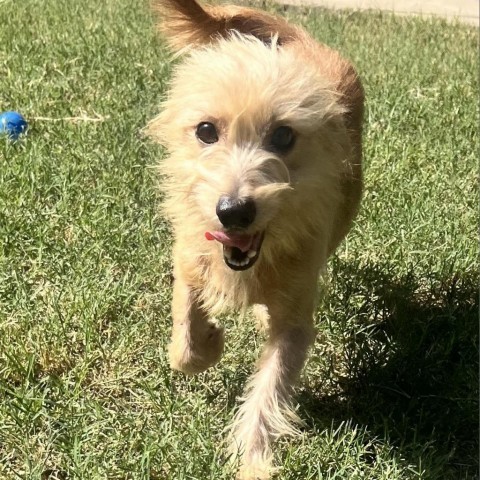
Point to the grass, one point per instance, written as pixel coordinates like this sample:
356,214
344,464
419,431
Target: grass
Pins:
391,389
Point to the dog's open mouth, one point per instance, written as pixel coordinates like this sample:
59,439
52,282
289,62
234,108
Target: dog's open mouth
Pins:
240,251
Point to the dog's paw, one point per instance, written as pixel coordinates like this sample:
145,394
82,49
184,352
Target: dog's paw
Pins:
195,353
254,472
253,464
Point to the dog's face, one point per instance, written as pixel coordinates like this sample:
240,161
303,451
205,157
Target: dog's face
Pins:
253,135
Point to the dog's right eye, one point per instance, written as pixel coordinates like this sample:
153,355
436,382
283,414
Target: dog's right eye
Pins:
206,133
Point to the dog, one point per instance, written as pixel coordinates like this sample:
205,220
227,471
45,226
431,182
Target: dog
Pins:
263,128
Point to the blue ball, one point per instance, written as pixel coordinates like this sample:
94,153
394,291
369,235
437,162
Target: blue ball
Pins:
13,124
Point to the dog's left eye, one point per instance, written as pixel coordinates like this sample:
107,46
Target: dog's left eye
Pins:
282,139
206,133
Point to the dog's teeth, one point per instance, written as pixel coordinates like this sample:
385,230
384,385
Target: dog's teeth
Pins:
228,252
251,253
239,263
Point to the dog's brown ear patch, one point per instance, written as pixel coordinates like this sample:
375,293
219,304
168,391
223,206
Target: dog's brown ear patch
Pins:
186,23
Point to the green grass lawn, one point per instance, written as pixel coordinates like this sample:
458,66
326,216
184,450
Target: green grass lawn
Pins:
391,388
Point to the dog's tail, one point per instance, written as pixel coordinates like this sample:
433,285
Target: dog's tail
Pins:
186,22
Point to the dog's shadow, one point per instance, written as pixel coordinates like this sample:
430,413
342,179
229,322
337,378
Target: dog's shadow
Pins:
410,376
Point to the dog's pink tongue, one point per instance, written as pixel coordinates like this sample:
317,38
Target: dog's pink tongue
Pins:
242,242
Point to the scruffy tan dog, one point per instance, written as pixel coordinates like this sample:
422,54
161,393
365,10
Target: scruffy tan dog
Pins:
263,179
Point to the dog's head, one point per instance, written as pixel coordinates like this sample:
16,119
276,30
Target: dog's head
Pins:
255,140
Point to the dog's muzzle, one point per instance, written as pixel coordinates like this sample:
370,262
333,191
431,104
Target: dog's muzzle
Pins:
240,251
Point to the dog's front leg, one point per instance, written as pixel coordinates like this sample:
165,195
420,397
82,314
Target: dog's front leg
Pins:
197,342
266,412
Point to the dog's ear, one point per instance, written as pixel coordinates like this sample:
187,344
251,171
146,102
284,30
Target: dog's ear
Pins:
185,23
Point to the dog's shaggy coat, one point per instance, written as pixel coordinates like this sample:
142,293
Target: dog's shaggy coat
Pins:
283,119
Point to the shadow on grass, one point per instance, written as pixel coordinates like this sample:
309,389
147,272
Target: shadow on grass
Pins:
412,372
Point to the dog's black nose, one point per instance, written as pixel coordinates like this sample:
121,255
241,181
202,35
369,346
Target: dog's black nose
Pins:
235,213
